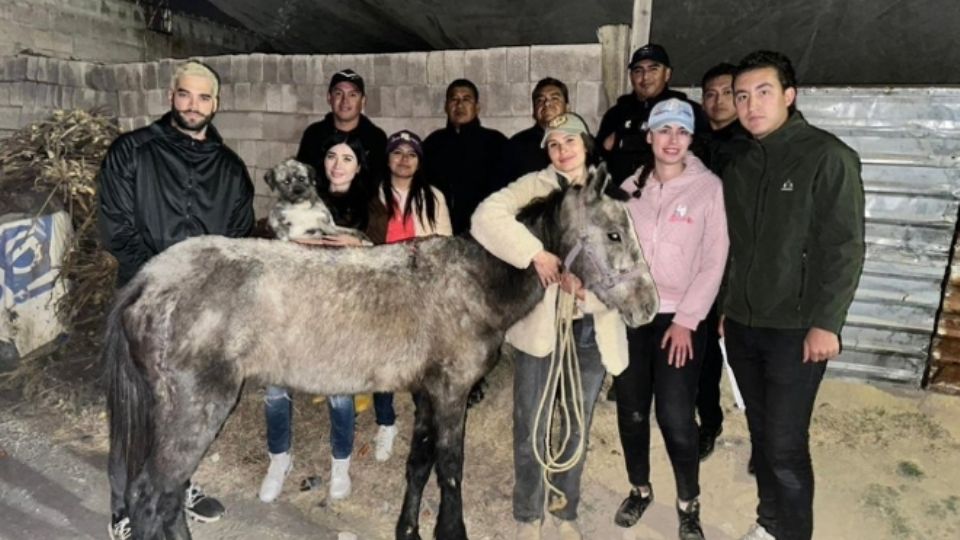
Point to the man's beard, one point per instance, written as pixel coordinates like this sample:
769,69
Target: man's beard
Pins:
185,124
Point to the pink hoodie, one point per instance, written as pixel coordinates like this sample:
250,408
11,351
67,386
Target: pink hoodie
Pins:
682,228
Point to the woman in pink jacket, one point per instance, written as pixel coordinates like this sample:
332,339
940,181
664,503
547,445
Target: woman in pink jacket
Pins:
678,213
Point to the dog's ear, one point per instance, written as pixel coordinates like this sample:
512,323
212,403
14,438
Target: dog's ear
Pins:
311,174
270,177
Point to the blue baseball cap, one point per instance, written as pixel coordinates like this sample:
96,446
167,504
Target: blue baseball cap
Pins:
671,112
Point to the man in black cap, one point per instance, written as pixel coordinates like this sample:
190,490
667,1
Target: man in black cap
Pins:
463,158
623,141
347,98
523,152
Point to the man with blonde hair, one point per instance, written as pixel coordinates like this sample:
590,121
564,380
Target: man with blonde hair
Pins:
161,184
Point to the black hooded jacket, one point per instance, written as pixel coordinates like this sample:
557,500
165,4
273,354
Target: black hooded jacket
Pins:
158,186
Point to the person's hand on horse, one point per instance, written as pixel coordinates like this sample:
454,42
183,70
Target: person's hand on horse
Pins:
572,284
547,266
680,340
820,345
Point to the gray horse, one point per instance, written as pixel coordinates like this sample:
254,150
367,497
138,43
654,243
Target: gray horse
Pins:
427,317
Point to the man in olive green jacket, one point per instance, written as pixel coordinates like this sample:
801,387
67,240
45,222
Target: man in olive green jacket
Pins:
795,213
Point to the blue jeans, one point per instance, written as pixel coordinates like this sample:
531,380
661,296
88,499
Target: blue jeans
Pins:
529,381
278,409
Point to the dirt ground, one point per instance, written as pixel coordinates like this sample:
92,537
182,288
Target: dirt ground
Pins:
886,463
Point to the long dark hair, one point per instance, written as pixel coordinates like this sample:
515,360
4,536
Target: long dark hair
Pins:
420,196
647,165
349,209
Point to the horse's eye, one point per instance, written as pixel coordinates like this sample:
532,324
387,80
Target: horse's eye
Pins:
613,236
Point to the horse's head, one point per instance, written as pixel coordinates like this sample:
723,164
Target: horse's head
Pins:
598,244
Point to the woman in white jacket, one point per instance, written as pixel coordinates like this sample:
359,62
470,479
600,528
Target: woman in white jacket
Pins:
600,335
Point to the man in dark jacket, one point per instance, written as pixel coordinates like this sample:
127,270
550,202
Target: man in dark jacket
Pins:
161,184
523,152
622,134
795,214
463,159
347,98
722,140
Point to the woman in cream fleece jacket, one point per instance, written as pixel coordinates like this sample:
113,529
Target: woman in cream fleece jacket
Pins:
600,334
678,213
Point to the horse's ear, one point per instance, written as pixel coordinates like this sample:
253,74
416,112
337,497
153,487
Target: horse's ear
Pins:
270,177
599,181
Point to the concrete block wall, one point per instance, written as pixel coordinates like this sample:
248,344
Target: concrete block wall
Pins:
108,31
268,100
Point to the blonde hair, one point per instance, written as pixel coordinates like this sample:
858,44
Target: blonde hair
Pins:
196,68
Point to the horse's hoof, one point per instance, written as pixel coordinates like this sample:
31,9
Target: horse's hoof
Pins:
408,532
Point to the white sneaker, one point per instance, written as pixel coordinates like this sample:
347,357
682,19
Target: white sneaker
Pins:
272,485
528,530
340,479
757,532
385,437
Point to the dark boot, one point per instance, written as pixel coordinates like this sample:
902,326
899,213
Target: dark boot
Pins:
632,508
690,522
708,440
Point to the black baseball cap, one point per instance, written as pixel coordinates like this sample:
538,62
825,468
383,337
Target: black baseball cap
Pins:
650,51
349,76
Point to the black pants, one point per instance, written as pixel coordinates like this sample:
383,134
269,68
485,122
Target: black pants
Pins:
649,376
779,390
708,397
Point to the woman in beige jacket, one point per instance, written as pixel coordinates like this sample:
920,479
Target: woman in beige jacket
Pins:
600,335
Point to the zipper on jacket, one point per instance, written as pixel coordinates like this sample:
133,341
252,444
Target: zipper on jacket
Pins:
757,210
803,279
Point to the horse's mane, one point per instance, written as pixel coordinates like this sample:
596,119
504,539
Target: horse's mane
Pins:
542,216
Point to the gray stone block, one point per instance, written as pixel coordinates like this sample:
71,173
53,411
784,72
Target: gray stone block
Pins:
128,76
422,105
165,70
5,89
84,98
226,101
10,117
435,67
404,101
304,96
151,76
521,103
240,125
452,65
254,72
64,97
247,150
320,95
331,65
372,105
318,77
289,101
518,64
417,68
438,99
496,66
274,101
566,62
285,69
131,103
474,66
271,68
286,128
495,100
221,66
388,101
382,71
32,67
591,99
398,68
125,124
363,64
12,93
73,73
157,102
262,201
302,66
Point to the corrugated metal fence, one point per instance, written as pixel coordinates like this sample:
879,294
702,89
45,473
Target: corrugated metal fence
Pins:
909,144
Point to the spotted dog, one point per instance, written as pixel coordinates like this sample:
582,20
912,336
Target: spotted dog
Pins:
299,212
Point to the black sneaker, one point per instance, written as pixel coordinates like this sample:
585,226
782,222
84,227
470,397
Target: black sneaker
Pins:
120,529
632,508
690,522
708,441
201,507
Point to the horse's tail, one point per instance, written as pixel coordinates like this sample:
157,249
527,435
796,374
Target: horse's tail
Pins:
129,397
